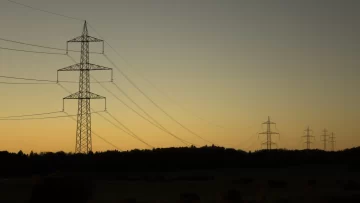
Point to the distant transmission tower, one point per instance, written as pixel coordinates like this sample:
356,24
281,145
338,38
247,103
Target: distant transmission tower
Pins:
308,137
325,135
268,134
332,141
83,129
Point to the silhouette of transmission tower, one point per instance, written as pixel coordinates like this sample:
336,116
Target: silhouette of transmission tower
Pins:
332,141
268,134
308,137
83,129
325,135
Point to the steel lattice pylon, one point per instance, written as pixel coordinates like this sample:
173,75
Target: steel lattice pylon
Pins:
332,141
268,134
308,137
83,129
325,135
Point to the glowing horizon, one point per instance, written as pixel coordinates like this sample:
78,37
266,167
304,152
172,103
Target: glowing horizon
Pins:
232,63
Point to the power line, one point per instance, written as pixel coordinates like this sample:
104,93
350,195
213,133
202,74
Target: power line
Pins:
143,93
43,80
129,132
161,128
45,11
154,86
53,53
103,139
240,146
145,112
251,144
117,69
31,79
97,135
17,83
66,90
41,46
41,118
37,52
34,45
155,104
70,17
109,59
36,114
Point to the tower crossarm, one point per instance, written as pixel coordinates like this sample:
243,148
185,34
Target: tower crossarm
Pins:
77,67
89,95
269,142
89,67
270,132
83,96
85,39
269,122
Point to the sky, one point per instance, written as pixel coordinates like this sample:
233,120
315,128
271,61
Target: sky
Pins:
220,68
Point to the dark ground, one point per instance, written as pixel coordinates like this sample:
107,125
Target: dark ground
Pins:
334,180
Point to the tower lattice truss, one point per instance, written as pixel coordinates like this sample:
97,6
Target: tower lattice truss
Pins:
83,128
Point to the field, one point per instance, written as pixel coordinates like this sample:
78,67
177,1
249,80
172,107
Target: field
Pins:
310,184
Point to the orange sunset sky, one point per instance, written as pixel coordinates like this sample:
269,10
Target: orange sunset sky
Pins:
232,63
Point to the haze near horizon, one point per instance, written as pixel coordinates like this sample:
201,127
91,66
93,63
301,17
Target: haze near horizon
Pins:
233,63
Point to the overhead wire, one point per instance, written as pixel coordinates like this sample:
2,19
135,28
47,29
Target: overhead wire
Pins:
41,46
143,93
22,83
146,113
117,68
132,109
68,91
278,131
160,126
252,136
37,52
251,145
25,5
20,78
97,135
154,121
52,53
41,118
62,87
129,132
154,86
28,115
34,45
154,103
66,17
42,80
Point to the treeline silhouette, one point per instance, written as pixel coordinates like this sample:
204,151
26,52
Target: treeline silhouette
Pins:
168,159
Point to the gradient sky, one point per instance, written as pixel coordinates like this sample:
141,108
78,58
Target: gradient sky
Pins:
231,62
